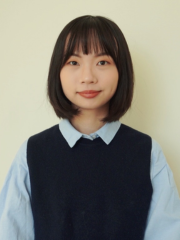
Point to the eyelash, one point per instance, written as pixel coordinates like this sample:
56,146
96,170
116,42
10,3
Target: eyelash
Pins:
98,62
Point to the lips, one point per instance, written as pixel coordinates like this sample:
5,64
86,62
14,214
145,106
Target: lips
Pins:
89,91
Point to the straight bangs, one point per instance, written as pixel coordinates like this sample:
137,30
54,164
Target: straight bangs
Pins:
89,36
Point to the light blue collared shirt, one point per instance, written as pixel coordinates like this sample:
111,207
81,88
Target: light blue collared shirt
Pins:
16,219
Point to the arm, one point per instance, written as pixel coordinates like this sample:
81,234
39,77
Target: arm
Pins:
164,215
16,220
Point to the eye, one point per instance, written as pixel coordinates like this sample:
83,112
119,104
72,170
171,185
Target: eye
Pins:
102,63
74,63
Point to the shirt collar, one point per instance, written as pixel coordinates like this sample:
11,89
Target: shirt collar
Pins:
106,132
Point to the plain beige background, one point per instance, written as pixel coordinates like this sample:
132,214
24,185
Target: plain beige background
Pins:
29,30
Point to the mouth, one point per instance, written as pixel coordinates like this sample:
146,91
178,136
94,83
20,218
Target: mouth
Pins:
89,94
89,91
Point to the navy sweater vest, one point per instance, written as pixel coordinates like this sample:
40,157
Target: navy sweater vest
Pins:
92,191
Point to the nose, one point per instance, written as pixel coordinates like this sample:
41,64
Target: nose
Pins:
88,75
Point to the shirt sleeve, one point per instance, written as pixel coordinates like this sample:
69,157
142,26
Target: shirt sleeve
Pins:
16,220
164,214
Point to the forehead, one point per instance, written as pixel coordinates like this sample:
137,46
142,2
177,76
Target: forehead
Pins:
96,52
85,44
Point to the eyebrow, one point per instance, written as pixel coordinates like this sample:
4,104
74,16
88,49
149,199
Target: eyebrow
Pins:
96,55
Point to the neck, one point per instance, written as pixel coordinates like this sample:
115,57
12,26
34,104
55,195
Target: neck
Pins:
88,121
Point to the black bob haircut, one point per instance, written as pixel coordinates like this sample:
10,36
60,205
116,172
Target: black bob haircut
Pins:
89,33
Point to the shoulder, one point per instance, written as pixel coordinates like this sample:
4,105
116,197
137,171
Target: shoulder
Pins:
131,130
134,141
134,134
20,157
44,135
158,159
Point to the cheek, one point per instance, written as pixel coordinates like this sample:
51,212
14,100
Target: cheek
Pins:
112,80
66,83
62,77
116,78
64,80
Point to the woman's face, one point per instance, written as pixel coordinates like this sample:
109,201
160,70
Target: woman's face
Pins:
89,72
